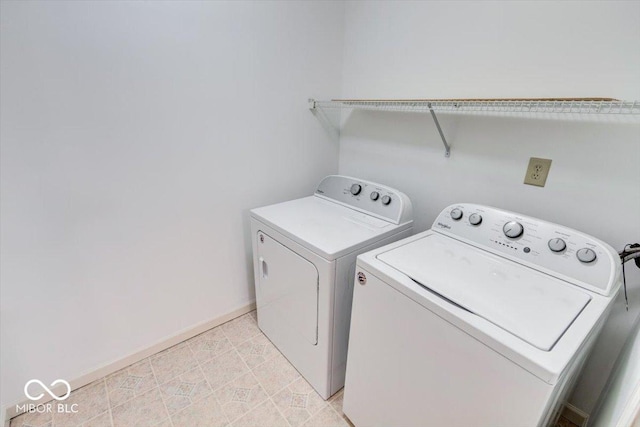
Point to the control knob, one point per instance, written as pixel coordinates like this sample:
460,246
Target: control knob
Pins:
356,189
513,229
557,245
386,200
374,195
456,213
475,219
586,255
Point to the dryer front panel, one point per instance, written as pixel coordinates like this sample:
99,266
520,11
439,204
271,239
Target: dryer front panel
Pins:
287,287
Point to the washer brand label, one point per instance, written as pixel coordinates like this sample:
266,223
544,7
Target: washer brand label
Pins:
441,225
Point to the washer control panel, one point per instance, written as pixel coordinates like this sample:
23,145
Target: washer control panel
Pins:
374,199
560,251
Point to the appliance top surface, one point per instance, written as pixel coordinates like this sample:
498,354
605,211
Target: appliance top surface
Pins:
530,305
534,294
344,214
327,228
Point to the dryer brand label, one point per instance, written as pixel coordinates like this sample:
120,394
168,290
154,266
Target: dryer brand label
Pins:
441,225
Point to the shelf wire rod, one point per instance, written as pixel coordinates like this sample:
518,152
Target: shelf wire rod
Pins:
447,148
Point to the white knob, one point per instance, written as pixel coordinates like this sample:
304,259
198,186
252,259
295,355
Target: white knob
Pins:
586,255
475,219
557,245
356,189
386,200
374,195
513,229
456,214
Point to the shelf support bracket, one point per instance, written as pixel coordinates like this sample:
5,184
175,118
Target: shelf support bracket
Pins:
447,148
321,115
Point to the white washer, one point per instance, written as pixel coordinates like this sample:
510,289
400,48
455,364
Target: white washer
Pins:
484,320
304,255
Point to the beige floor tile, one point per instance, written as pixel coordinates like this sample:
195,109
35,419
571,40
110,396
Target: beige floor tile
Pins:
298,402
327,417
172,362
91,401
32,420
185,389
336,401
130,382
296,416
264,415
102,420
204,413
144,410
241,329
257,350
275,374
209,344
221,377
224,368
240,396
165,423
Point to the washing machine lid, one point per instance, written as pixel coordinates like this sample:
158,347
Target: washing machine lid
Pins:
327,228
531,305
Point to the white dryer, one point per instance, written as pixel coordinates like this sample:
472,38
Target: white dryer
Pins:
304,254
484,320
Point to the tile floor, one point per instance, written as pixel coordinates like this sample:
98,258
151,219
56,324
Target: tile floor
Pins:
230,375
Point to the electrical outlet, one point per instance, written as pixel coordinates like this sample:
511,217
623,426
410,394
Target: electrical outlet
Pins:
537,171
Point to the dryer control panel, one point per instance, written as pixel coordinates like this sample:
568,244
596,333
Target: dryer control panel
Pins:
368,197
551,248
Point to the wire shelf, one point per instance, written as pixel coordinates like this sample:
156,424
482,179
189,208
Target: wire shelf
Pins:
554,106
547,107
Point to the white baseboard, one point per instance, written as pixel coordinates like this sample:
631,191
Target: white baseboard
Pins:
10,411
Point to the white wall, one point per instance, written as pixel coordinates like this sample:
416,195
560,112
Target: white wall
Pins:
135,138
503,49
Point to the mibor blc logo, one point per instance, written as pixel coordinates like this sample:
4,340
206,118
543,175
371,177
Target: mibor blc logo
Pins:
47,389
46,407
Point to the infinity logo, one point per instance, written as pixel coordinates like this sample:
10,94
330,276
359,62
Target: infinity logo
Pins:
47,389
